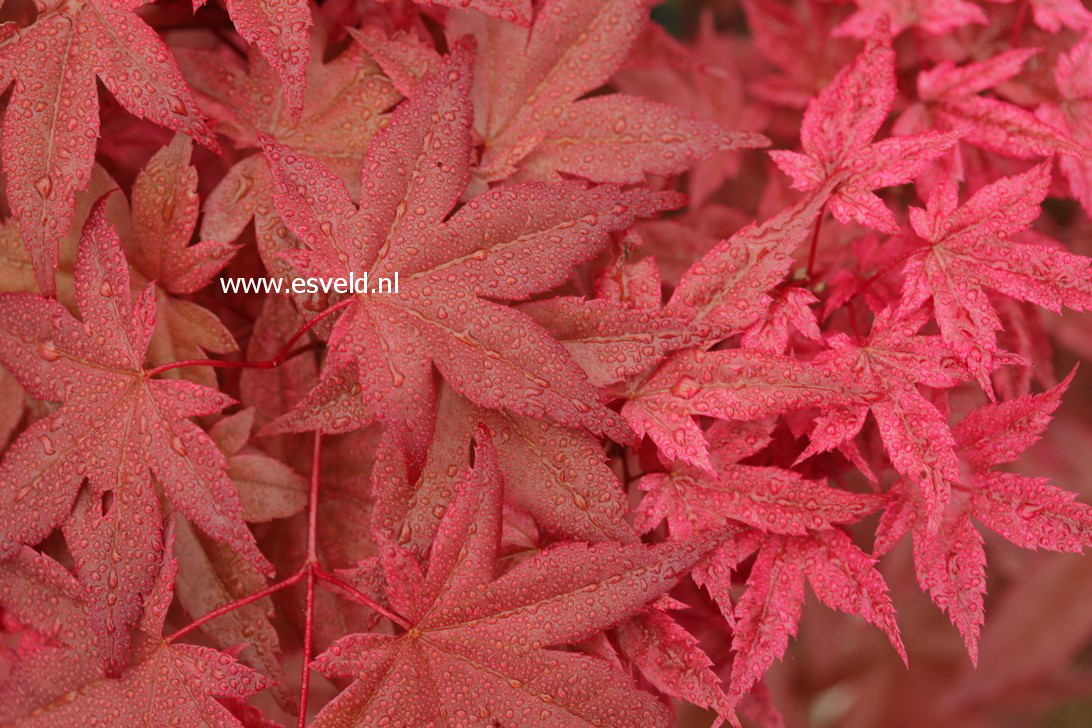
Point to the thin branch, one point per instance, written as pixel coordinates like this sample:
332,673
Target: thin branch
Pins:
311,566
815,241
312,501
280,355
337,585
285,353
1018,24
308,643
250,599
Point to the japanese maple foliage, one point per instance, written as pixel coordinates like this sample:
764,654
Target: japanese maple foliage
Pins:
639,387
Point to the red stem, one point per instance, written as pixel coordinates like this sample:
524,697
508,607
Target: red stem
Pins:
311,571
312,501
236,605
308,642
310,325
312,567
337,585
1018,24
285,353
815,241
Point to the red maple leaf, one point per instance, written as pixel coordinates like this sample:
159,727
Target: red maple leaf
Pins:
52,120
512,11
343,107
728,384
891,364
94,367
841,575
61,683
797,41
950,562
1073,114
1052,15
504,244
950,98
280,30
936,17
481,641
791,520
531,105
670,658
837,134
971,248
703,78
557,474
163,215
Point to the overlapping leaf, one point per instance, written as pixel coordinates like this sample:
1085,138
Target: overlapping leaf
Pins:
62,683
970,248
529,109
505,244
52,120
839,126
115,428
476,649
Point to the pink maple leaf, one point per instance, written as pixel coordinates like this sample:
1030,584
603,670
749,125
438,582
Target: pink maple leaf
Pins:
839,126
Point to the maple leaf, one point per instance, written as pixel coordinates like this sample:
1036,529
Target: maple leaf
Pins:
770,499
512,11
529,93
790,519
62,684
52,119
948,98
1052,15
211,575
949,561
267,488
840,574
1029,512
94,367
1072,115
971,247
725,291
837,132
279,29
272,393
891,364
671,659
702,78
163,214
481,642
505,244
634,283
18,269
343,107
728,384
609,340
558,474
789,312
155,230
797,42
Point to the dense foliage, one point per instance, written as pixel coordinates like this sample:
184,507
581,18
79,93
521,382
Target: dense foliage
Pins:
641,381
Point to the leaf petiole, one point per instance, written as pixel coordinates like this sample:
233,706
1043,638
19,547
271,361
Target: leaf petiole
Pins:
285,353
